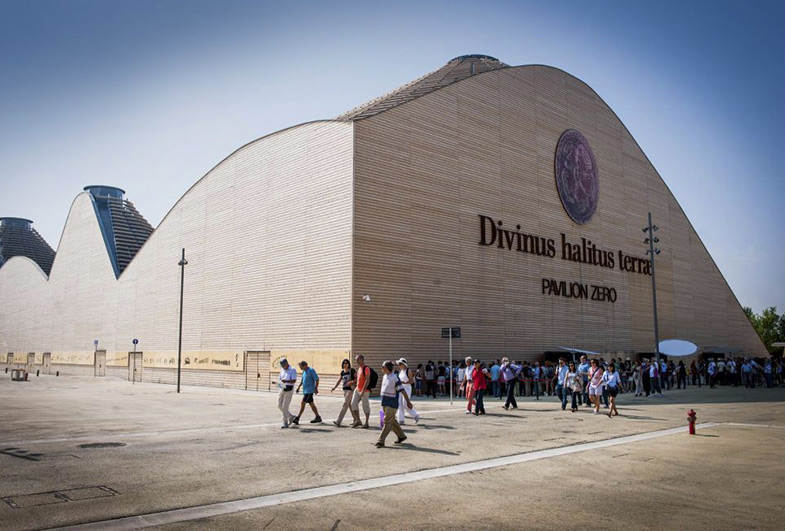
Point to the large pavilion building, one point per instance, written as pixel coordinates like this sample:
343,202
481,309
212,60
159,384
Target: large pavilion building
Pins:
507,201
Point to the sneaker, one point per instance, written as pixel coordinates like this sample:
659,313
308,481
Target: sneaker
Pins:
336,424
515,407
365,427
284,426
468,412
400,441
317,420
357,424
296,421
505,408
379,445
417,419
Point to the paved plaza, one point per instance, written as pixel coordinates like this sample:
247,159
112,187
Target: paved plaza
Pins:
91,450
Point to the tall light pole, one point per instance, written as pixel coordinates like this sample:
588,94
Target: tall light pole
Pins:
652,251
183,262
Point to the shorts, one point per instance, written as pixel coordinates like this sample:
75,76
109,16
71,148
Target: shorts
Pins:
441,380
595,391
308,398
612,391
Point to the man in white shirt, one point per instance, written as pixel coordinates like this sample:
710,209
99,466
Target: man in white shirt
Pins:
509,373
730,368
391,386
561,374
712,372
286,380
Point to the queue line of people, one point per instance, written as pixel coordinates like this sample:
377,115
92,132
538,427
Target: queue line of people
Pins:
592,383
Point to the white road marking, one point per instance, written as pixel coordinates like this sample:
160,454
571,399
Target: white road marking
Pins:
746,425
260,502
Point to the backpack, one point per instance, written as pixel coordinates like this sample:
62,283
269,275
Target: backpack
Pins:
374,378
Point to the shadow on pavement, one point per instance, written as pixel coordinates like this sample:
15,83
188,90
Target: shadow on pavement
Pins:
411,447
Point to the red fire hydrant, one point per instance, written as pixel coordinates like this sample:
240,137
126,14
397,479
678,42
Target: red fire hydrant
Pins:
692,417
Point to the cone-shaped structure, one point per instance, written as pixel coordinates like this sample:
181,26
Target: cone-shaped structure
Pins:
19,238
124,229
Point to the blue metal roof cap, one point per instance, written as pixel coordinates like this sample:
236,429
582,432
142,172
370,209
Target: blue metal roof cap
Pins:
16,222
473,56
102,190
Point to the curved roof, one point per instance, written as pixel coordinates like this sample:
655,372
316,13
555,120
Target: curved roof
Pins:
19,238
455,70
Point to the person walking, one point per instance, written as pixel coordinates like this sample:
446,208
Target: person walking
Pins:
347,380
637,378
406,376
509,374
583,369
495,371
362,393
612,383
310,386
681,375
461,377
430,379
536,377
561,380
595,385
391,387
654,376
480,377
573,385
441,378
712,372
469,386
286,380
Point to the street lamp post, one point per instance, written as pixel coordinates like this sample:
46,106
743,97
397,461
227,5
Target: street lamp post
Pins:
652,251
183,262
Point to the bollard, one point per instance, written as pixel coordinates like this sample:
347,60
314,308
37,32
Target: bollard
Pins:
38,373
57,373
691,418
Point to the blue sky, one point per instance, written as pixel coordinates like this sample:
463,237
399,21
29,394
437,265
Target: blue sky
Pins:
149,95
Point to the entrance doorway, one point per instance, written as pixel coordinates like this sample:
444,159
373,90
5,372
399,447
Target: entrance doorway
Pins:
100,363
30,361
47,361
134,366
257,370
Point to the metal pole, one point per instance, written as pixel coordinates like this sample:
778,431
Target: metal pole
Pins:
182,264
451,371
654,296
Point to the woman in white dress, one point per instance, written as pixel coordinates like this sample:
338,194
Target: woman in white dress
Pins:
612,384
406,375
595,385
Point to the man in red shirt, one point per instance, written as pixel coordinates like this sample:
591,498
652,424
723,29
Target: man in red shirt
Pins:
361,393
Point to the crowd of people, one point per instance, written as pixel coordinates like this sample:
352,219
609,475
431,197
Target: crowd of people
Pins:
593,383
644,377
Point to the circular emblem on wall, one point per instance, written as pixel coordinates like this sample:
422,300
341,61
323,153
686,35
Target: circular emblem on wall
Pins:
576,176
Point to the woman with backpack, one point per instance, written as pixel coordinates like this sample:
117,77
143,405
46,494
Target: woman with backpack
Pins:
366,380
406,375
348,378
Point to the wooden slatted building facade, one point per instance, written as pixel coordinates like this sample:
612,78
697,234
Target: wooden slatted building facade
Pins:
363,234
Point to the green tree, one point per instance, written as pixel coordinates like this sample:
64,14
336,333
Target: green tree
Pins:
769,325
